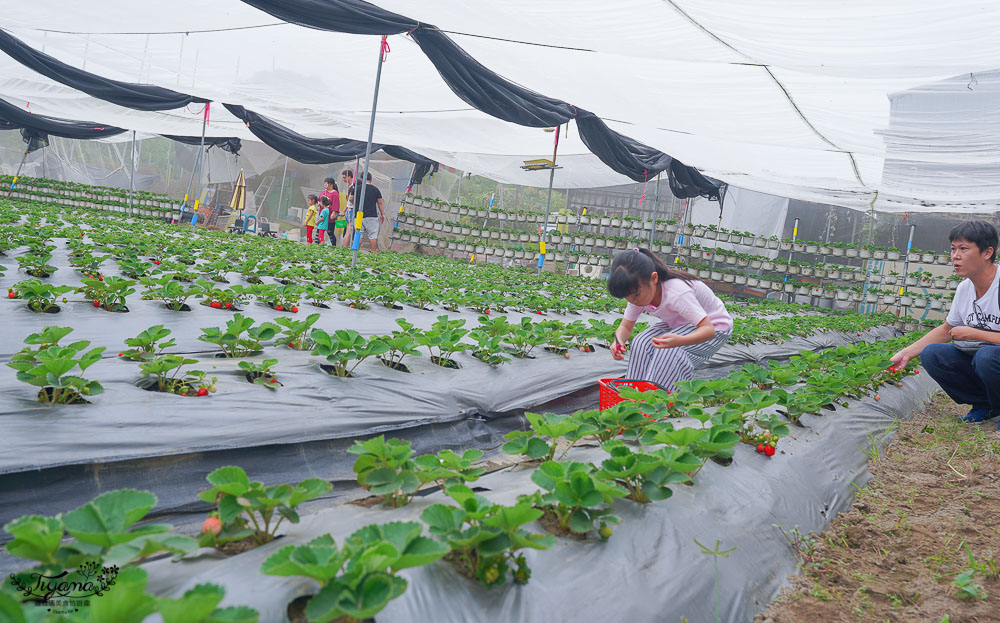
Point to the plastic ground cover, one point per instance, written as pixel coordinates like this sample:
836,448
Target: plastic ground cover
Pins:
58,457
651,569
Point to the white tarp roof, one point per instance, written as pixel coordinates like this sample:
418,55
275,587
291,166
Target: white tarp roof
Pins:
788,98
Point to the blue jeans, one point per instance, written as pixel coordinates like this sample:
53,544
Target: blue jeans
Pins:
966,378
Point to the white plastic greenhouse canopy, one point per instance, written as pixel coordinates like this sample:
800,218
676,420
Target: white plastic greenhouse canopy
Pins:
849,103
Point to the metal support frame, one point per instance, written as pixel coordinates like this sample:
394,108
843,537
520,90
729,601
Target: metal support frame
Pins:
359,196
131,175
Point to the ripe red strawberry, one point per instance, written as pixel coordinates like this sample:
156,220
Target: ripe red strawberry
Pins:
916,371
487,312
291,345
215,305
97,303
120,354
279,308
183,393
760,448
539,313
100,278
295,310
202,391
213,525
12,295
670,404
877,397
352,306
769,451
157,262
228,305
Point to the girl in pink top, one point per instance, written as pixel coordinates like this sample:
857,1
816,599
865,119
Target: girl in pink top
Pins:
693,322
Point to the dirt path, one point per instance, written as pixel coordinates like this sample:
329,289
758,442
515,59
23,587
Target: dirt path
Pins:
902,553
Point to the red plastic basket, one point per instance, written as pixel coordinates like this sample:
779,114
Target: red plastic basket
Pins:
609,390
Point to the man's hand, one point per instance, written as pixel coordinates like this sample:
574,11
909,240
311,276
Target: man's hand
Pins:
668,340
964,333
381,217
900,359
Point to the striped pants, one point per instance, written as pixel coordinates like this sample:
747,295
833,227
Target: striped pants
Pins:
666,366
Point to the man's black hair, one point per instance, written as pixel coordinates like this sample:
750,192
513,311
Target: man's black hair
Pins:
349,173
369,178
980,233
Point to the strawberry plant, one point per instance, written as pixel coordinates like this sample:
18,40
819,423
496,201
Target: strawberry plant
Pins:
646,477
448,468
359,579
232,340
167,371
261,373
443,340
105,529
342,347
248,509
541,442
295,333
201,605
40,296
147,344
524,337
108,293
47,367
574,498
484,538
488,349
88,265
37,264
384,468
398,345
167,289
221,298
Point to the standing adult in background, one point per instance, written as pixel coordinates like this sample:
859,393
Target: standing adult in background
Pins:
331,193
347,177
372,212
968,369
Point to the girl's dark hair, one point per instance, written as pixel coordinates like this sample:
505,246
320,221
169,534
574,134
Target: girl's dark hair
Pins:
331,182
979,233
631,269
325,201
312,199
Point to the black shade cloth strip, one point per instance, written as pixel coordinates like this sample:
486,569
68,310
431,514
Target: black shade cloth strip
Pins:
128,94
320,150
489,92
231,144
40,126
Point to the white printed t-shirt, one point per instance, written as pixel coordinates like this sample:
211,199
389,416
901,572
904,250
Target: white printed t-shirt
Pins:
968,311
684,302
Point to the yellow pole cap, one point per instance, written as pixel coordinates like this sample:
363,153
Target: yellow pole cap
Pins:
541,247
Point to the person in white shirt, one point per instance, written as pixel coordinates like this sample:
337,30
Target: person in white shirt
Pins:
968,369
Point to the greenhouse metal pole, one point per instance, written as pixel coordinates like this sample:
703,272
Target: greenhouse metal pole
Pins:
458,198
281,189
548,204
359,201
906,267
201,163
131,175
656,202
16,175
204,122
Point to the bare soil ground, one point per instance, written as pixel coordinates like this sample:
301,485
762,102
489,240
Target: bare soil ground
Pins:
921,541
